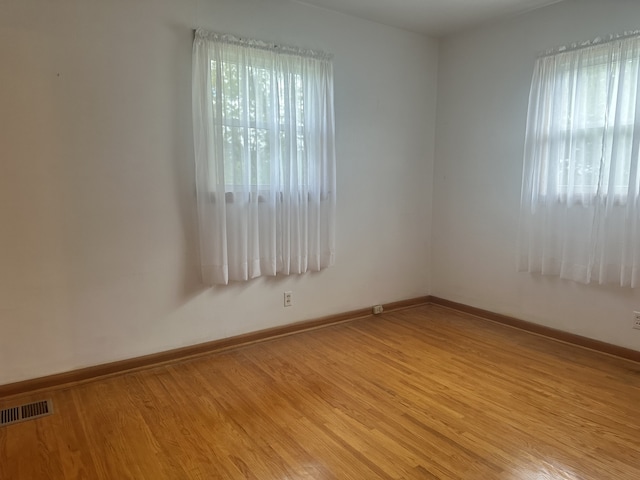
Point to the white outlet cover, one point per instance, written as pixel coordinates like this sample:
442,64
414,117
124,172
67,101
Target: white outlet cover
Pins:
288,299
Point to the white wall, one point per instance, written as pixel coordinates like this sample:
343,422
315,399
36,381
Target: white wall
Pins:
98,251
484,80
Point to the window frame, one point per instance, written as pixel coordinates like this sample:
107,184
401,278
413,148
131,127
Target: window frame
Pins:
260,189
588,193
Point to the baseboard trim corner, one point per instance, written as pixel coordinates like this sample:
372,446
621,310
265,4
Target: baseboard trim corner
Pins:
553,333
87,374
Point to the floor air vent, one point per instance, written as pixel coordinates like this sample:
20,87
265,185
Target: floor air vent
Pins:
28,411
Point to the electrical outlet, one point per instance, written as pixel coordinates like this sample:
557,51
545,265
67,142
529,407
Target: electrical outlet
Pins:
288,299
636,320
377,309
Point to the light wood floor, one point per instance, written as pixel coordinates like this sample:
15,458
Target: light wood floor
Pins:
419,394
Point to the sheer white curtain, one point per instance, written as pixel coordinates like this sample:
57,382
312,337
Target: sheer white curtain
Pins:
265,158
580,215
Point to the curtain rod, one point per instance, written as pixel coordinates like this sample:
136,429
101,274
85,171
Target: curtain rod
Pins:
262,45
590,43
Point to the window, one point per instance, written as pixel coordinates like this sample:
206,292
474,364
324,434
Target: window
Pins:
586,123
248,98
579,215
265,161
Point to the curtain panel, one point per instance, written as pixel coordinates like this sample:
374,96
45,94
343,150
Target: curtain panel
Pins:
263,118
580,211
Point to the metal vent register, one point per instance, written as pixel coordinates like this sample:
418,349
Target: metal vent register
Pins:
28,411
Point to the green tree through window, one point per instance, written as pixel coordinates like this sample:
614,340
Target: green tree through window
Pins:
249,98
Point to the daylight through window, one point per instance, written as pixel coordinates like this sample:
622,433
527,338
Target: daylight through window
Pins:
580,210
265,157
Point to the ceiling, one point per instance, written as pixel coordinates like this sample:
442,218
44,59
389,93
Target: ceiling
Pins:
432,17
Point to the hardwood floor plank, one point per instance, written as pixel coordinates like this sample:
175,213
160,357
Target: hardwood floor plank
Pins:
422,393
384,402
76,460
273,408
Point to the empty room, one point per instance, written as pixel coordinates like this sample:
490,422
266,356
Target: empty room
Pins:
320,239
